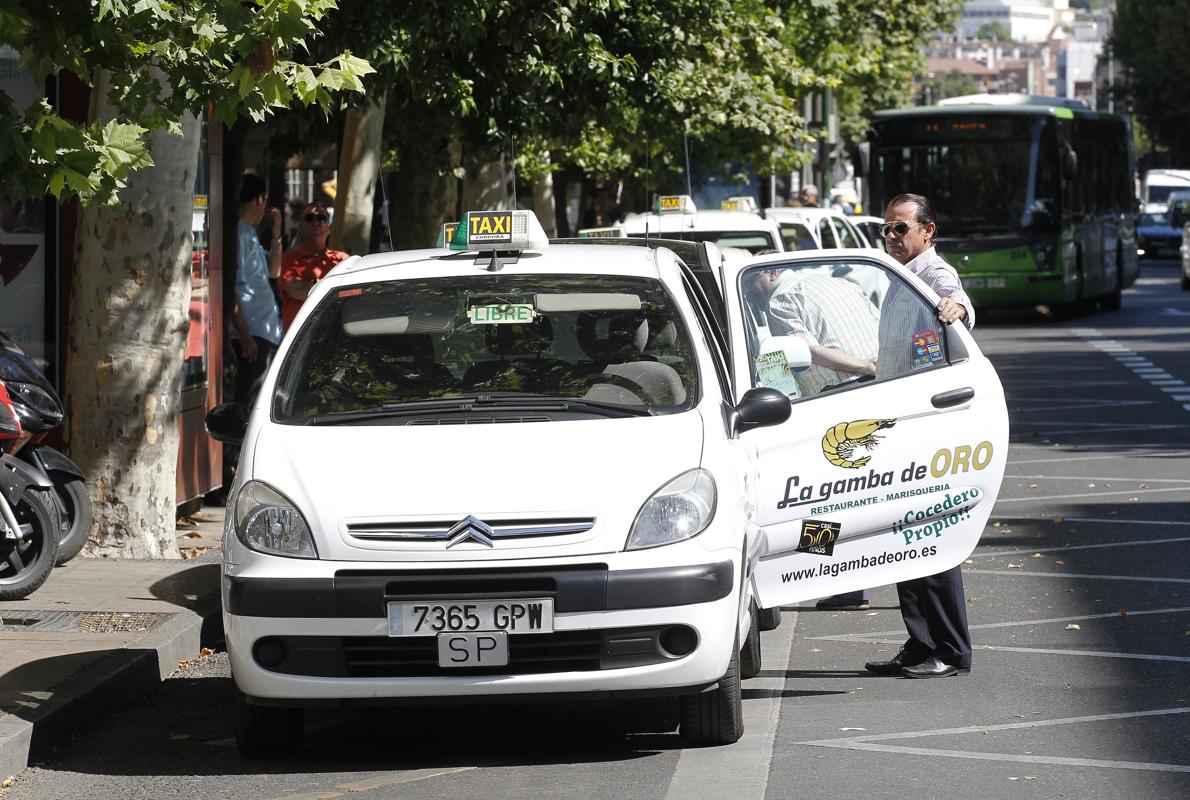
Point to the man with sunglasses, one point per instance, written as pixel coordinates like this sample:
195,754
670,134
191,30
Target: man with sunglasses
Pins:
304,265
934,608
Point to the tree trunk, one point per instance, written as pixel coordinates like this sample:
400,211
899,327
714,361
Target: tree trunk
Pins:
485,187
543,202
126,342
423,192
359,168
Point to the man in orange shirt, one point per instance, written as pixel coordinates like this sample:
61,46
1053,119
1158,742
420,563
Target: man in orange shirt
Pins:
304,265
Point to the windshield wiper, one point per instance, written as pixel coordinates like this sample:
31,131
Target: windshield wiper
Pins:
505,402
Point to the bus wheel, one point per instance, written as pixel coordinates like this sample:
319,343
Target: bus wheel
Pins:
1111,302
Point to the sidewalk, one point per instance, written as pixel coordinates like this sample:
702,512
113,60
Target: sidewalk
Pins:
98,634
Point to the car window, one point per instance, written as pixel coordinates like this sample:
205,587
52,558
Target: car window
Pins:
617,340
872,231
845,234
1154,219
797,236
852,322
826,234
752,241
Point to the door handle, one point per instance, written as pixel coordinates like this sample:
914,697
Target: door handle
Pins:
953,397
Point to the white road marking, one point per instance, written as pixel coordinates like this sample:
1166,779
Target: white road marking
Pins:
1109,479
741,770
869,743
1092,494
1079,456
1068,548
1023,623
1078,576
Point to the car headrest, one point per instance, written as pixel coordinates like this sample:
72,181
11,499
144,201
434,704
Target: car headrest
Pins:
529,340
609,337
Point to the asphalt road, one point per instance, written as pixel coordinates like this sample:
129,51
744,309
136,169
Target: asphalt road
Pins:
1079,596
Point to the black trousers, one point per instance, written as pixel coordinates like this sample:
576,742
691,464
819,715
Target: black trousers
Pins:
935,613
250,374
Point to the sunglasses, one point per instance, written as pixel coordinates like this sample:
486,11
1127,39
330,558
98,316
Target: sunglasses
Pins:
899,228
316,217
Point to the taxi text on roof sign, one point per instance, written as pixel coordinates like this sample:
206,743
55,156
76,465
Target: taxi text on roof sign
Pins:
489,226
675,204
743,203
499,231
446,234
602,233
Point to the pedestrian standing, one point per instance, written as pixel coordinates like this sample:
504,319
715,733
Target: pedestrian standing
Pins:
256,320
934,608
306,264
809,196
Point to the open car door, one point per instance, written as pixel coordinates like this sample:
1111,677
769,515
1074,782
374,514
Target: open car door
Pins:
892,458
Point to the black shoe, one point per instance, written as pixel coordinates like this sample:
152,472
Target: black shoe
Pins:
831,604
891,667
934,667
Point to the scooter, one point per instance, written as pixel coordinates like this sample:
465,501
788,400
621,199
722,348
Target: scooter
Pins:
29,526
39,410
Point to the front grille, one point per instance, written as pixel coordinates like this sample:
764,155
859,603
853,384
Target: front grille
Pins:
445,530
417,657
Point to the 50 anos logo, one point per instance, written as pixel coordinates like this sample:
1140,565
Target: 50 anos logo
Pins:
818,537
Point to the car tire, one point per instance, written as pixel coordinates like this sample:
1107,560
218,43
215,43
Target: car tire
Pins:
267,731
770,618
715,716
751,659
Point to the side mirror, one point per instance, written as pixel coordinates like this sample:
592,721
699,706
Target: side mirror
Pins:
227,423
760,408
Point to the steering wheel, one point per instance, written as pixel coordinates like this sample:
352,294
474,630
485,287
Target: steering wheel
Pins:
615,379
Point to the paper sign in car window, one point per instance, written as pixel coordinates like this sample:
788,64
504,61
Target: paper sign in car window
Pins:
502,314
772,371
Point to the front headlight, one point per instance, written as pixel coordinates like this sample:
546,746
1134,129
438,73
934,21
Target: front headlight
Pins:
677,511
265,521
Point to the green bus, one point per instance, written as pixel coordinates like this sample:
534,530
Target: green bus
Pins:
1034,195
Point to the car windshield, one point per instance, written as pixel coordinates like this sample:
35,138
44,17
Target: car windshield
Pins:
752,241
601,342
1154,219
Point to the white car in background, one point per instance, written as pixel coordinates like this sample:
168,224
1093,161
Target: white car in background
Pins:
677,217
519,468
828,229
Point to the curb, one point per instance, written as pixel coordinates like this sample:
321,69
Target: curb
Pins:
113,680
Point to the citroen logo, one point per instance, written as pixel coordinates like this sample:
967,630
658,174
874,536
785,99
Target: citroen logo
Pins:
469,530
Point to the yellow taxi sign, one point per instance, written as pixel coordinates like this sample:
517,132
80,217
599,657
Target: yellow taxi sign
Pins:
742,203
446,234
499,230
675,204
602,233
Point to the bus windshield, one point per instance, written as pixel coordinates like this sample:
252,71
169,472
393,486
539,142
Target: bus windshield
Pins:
985,174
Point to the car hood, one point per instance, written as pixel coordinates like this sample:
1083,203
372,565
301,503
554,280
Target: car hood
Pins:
398,492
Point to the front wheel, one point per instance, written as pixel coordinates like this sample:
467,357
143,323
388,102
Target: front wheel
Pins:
76,522
716,716
25,562
267,731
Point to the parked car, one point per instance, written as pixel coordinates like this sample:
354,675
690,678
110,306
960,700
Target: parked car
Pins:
828,229
522,468
870,228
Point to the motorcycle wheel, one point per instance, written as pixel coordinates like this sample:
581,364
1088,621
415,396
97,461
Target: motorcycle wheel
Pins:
76,522
25,563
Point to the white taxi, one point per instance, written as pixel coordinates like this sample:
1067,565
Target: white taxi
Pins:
736,225
524,468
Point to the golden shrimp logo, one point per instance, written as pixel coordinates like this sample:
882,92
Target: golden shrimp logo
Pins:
818,537
841,441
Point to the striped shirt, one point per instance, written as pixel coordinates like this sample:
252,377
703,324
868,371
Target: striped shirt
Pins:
905,315
825,311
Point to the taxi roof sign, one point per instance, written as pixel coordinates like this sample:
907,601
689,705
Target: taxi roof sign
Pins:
603,233
740,203
675,204
499,231
446,234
